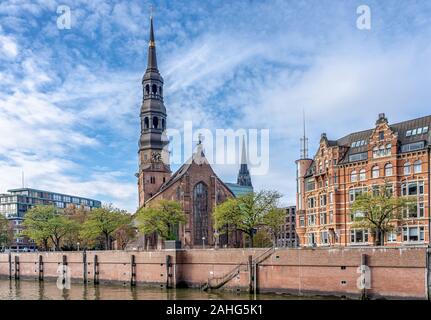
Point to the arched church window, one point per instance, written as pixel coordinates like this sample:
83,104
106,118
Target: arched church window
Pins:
146,123
147,89
163,124
154,89
155,122
200,214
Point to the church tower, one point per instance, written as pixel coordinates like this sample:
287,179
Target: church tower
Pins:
244,178
154,167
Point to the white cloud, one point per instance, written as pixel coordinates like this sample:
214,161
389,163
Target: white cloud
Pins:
8,47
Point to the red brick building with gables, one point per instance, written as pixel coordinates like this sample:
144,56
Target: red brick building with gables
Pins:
341,169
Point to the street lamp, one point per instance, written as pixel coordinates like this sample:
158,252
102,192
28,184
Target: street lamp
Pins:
203,242
77,245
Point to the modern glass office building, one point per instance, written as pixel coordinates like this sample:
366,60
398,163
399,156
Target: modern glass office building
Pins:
15,203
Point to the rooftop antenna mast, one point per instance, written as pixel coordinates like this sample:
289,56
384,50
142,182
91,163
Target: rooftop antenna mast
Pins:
304,139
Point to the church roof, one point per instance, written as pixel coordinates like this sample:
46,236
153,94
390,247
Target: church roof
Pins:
198,158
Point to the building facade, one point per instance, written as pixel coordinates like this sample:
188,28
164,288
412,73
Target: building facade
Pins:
327,185
287,236
195,184
15,204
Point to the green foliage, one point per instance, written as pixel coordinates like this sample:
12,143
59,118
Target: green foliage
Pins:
162,218
43,223
262,239
273,220
377,210
5,234
103,222
247,212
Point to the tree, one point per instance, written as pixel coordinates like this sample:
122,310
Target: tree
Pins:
43,223
262,239
245,213
5,231
103,222
163,218
377,210
35,224
274,219
79,215
124,234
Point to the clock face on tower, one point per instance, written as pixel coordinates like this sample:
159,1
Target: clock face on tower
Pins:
156,157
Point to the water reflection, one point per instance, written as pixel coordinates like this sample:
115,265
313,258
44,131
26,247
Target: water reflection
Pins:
47,290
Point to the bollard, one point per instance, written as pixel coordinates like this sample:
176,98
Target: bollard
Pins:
96,269
250,274
16,267
133,271
363,268
10,265
168,264
84,264
40,268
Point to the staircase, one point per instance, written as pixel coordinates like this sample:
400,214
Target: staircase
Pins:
218,282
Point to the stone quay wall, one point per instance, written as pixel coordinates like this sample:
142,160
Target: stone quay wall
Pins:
403,272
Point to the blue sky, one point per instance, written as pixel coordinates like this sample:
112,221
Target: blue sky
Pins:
69,99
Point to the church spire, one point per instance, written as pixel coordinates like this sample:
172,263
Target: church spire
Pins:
152,57
244,178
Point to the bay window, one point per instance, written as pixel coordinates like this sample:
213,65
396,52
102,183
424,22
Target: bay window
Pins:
413,234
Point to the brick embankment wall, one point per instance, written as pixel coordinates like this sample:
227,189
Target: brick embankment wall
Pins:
394,272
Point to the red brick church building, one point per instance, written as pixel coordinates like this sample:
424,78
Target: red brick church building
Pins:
195,185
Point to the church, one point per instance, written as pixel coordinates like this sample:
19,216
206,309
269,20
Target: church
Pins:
195,184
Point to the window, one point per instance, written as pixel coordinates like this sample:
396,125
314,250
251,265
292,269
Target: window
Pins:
412,188
407,168
358,236
331,197
388,150
146,123
323,200
155,122
391,236
408,133
362,175
324,237
301,221
154,89
310,185
200,213
311,237
414,211
358,156
322,218
353,193
413,146
417,167
388,170
353,176
425,130
311,220
375,152
311,202
375,172
413,234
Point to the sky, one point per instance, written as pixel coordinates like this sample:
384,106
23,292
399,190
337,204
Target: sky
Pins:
70,98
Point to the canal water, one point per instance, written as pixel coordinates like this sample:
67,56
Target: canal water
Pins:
48,290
